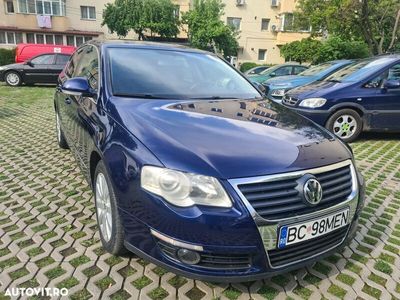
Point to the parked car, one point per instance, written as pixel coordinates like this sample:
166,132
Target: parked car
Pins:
43,68
25,52
364,96
194,170
278,70
256,70
275,88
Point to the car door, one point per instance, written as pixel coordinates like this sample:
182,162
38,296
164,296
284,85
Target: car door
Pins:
39,69
81,110
384,104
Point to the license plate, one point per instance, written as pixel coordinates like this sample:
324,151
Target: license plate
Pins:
293,234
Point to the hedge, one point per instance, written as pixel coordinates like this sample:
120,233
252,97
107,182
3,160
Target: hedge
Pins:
7,56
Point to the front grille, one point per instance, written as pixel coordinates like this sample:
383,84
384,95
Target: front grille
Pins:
307,249
289,100
209,260
281,199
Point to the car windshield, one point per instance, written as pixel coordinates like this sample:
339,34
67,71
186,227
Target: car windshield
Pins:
316,69
357,71
156,73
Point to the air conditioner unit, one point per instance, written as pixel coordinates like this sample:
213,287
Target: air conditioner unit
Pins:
240,2
274,28
274,3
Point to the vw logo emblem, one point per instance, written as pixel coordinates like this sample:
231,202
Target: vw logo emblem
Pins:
312,191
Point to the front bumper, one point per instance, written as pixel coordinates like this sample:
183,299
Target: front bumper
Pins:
221,244
318,116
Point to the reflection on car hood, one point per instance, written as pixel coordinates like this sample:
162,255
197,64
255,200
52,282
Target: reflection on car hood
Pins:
228,138
291,80
317,89
13,66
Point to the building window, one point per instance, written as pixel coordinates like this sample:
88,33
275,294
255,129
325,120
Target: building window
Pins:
302,24
9,6
264,24
49,39
76,40
262,53
234,22
58,39
12,38
88,12
288,22
42,7
176,11
30,38
39,39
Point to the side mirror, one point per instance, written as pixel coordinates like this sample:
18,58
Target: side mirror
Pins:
29,63
78,86
259,87
392,84
273,74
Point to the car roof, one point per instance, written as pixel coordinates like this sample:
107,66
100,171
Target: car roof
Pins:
101,44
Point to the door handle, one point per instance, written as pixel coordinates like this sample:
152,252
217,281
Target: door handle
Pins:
68,100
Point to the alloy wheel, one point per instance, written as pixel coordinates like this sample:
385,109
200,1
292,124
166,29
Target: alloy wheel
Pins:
345,126
103,207
12,79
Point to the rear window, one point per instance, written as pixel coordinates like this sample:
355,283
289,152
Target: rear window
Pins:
174,74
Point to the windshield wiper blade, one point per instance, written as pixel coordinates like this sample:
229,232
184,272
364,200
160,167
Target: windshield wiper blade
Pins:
144,96
333,80
214,98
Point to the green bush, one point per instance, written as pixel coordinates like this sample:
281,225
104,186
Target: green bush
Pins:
247,66
315,51
7,56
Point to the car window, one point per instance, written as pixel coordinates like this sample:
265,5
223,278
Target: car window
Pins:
174,74
392,73
73,62
283,71
298,70
46,59
314,70
88,66
62,59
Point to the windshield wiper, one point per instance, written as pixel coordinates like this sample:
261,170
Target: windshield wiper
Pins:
143,96
333,80
213,98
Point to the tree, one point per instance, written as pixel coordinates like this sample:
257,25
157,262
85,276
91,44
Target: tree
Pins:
377,22
142,16
315,51
206,30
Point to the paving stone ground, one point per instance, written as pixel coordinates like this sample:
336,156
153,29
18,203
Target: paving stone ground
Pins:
48,235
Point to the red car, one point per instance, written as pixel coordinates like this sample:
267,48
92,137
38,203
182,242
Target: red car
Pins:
26,51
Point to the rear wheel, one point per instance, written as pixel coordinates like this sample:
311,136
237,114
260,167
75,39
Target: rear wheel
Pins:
108,219
13,78
346,124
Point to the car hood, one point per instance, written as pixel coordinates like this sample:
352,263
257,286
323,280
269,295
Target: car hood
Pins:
289,81
317,89
13,66
228,138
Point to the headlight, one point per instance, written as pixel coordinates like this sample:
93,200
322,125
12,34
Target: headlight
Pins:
184,189
313,102
2,68
279,92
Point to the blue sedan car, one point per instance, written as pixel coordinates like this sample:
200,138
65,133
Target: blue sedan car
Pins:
192,169
364,96
275,88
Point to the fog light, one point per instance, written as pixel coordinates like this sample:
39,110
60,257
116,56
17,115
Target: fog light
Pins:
188,257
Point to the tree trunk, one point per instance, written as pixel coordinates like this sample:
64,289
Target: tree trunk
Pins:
394,32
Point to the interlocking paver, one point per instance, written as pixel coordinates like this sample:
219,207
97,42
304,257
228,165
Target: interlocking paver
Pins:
48,236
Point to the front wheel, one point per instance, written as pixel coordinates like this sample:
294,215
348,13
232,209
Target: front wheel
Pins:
346,124
13,78
108,219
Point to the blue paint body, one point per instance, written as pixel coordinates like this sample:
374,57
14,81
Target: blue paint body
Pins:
222,138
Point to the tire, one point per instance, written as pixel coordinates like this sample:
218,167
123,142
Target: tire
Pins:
111,237
62,142
13,78
346,124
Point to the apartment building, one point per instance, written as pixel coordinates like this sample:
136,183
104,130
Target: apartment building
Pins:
60,22
264,26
